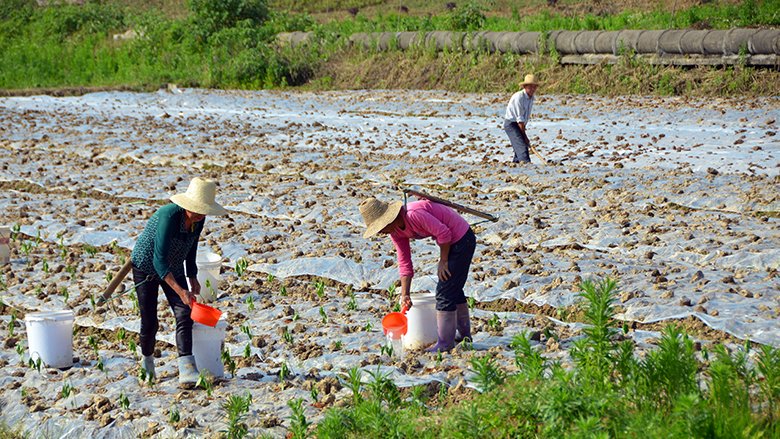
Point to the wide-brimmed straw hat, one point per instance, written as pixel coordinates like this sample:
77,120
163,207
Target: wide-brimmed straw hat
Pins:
530,79
378,214
199,198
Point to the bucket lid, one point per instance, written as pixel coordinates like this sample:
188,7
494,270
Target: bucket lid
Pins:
57,316
208,257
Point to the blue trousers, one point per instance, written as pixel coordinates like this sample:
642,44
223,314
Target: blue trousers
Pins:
449,293
519,141
147,302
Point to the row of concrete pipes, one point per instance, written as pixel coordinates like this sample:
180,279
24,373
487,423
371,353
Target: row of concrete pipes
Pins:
724,43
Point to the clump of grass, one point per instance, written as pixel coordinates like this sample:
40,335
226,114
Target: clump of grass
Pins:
609,391
236,407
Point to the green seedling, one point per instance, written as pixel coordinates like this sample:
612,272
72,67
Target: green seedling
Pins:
283,290
284,372
124,402
354,382
205,383
109,276
247,330
134,299
352,304
369,326
247,351
38,290
121,334
271,277
38,237
71,270
337,345
65,294
396,307
467,345
241,265
15,231
391,293
173,415
132,347
287,336
323,315
442,396
488,374
299,425
386,349
45,266
320,288
20,351
93,343
26,248
439,358
250,303
295,316
101,366
315,394
122,259
67,389
236,407
92,300
494,322
228,361
90,250
12,325
471,302
35,364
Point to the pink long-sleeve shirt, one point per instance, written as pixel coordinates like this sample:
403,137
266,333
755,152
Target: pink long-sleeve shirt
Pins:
426,219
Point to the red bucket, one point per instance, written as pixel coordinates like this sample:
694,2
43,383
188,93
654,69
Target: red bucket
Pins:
204,314
395,323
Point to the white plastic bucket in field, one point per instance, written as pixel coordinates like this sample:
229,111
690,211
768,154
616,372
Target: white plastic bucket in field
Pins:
421,322
208,275
207,345
50,337
5,245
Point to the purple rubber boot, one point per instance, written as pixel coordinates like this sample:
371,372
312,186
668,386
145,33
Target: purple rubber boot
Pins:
464,323
445,327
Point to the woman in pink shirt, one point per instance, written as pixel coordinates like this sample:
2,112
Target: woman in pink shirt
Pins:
456,240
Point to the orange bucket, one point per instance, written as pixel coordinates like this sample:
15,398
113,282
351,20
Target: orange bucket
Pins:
396,323
204,314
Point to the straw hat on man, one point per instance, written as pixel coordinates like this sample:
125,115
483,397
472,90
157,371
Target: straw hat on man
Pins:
164,256
518,111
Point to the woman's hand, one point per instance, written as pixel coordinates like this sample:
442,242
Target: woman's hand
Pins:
444,271
406,301
194,286
187,297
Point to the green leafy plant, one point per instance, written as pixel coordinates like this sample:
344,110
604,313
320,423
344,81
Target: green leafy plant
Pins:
250,302
284,372
287,336
241,265
67,390
319,287
471,302
124,402
354,382
488,374
236,407
494,322
173,415
315,394
323,315
247,350
299,425
12,325
15,231
90,250
65,294
228,361
270,278
205,383
45,266
368,327
283,290
352,303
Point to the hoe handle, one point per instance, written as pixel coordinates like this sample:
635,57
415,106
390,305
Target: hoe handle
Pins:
455,206
120,276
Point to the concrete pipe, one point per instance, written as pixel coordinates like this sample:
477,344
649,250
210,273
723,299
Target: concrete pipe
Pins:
525,42
585,41
648,41
504,42
445,40
737,40
626,41
408,40
693,42
564,42
605,42
361,39
669,41
764,42
494,39
712,44
387,40
478,42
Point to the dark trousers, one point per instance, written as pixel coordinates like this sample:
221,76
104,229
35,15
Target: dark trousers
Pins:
147,302
449,293
519,141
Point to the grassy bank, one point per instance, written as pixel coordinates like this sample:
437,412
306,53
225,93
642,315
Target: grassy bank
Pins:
678,390
231,44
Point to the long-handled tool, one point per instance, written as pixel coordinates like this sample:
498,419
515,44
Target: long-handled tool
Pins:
120,276
533,150
455,206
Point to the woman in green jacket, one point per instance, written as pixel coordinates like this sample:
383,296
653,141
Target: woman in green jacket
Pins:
168,246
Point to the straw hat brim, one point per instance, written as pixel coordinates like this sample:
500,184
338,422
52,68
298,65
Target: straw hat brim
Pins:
185,202
386,218
529,83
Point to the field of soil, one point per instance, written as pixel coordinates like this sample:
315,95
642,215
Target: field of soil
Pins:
676,198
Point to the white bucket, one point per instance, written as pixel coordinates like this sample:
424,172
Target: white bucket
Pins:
50,337
421,320
208,275
207,345
5,245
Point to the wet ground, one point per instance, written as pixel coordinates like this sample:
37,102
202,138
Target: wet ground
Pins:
675,198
